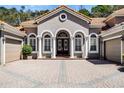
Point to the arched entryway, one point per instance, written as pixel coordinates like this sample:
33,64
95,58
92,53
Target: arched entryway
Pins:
63,43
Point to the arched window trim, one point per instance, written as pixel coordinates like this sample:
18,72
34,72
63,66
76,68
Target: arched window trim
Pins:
97,43
44,38
81,38
35,40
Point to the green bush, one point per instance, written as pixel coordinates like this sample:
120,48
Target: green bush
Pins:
26,50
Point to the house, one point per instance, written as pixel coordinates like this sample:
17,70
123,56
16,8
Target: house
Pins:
64,32
11,42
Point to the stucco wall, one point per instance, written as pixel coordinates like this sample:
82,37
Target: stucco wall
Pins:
0,46
72,24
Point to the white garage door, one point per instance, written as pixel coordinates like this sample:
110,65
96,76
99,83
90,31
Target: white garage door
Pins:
113,50
13,50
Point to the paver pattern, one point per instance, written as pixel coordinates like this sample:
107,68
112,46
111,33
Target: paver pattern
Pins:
61,74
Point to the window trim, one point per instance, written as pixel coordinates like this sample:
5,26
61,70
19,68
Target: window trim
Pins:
81,38
47,52
33,38
97,43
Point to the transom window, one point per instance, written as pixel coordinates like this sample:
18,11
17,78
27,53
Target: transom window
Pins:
32,41
47,43
93,43
78,42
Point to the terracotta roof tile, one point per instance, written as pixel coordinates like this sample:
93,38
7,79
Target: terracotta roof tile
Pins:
98,21
115,13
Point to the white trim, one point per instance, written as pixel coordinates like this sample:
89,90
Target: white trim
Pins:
47,52
3,42
46,31
111,31
115,37
10,37
121,52
97,43
82,17
79,31
28,41
65,29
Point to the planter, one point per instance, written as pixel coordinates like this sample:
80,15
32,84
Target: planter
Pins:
24,56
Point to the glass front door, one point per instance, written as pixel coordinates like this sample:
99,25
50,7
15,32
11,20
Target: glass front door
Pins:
62,47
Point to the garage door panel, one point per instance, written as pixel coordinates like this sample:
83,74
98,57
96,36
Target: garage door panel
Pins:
113,50
13,50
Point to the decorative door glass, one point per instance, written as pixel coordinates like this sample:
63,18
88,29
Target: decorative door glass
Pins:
59,45
65,45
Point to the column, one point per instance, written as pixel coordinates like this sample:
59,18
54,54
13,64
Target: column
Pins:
40,52
3,50
54,48
86,46
122,50
72,47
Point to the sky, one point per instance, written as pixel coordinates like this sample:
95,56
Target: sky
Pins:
45,7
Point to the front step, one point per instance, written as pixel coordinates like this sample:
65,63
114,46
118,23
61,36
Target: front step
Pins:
61,58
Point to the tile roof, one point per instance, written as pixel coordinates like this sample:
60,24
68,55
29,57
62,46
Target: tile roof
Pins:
64,7
29,23
97,21
119,12
11,29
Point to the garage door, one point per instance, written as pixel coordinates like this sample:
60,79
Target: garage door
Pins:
13,50
113,50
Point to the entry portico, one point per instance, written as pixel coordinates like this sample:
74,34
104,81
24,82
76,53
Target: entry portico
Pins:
62,43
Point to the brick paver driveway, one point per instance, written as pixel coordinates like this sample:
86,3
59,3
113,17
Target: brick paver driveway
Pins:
61,73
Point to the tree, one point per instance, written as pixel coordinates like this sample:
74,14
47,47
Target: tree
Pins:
101,10
85,12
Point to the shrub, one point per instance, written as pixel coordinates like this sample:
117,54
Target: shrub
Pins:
26,50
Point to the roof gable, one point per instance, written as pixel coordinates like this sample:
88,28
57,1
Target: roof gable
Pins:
61,8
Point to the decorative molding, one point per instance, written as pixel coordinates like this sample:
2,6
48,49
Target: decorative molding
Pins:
65,29
63,19
115,37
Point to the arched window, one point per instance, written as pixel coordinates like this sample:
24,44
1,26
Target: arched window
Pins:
78,42
32,40
47,43
93,43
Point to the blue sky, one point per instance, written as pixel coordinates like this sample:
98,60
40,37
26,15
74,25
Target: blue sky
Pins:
44,7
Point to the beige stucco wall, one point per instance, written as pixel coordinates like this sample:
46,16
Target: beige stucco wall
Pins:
72,24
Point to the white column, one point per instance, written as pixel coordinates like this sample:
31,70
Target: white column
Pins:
54,48
40,52
121,51
72,47
3,50
86,47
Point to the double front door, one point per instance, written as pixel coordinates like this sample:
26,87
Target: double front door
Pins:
63,47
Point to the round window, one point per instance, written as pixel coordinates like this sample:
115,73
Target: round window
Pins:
63,17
